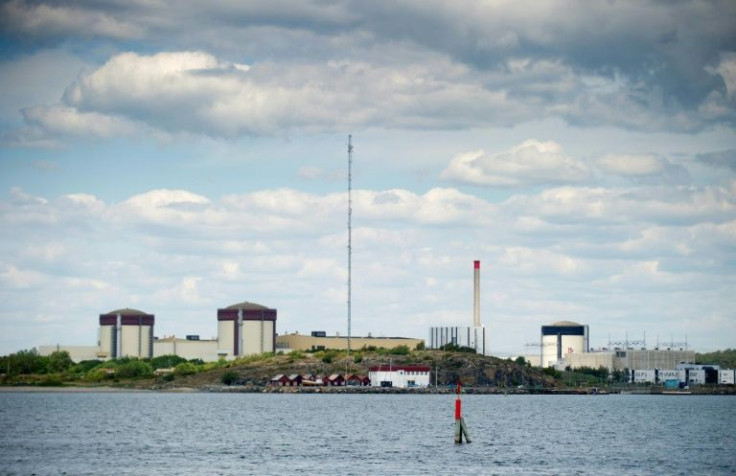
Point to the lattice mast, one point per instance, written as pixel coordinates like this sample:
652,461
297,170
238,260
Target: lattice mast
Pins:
350,236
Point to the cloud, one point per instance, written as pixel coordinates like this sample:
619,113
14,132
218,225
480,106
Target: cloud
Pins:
44,20
562,252
630,165
656,205
69,121
321,67
643,168
531,162
723,159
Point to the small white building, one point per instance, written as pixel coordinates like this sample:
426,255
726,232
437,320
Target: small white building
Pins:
696,376
402,376
726,377
645,376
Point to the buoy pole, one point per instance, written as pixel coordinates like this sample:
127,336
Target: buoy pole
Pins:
460,428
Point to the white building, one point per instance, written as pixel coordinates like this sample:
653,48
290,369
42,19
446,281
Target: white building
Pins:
402,376
562,338
645,376
726,377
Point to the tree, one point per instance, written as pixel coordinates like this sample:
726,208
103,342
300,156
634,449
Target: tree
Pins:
133,369
25,362
59,361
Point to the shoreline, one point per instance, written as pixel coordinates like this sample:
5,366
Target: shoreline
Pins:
327,390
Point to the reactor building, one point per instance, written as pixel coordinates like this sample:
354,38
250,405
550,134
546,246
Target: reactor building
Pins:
562,338
126,333
243,329
246,328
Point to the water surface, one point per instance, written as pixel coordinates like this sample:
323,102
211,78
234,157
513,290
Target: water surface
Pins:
264,434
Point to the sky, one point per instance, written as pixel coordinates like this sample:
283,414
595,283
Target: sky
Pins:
181,156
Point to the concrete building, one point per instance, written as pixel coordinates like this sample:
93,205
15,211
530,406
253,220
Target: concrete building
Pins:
126,333
319,340
188,348
246,328
618,359
401,376
77,353
562,338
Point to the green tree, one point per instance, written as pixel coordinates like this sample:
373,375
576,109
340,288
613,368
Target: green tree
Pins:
168,361
185,368
25,362
59,361
134,369
400,350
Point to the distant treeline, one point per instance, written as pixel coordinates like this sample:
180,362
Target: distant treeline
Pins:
59,367
725,358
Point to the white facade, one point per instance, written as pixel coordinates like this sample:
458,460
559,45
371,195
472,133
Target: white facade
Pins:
77,353
462,336
726,377
645,376
405,376
187,349
679,375
560,339
696,377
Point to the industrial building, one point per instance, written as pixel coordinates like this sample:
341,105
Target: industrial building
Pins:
563,338
126,333
620,359
473,336
246,328
243,329
319,340
402,376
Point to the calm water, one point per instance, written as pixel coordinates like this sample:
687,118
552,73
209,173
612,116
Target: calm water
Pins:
172,434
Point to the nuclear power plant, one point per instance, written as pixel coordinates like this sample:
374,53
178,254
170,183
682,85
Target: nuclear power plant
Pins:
473,336
243,329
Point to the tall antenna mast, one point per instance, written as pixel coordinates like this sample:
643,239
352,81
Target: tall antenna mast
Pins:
350,232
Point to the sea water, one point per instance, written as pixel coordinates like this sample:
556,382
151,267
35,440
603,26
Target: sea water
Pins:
140,433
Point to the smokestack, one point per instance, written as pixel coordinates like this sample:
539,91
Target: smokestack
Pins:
476,302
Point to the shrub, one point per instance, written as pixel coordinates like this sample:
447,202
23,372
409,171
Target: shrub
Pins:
134,369
358,358
185,368
97,375
166,361
229,377
59,361
400,350
84,366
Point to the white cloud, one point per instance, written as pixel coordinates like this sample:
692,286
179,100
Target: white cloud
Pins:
531,162
663,205
726,69
181,254
70,121
631,165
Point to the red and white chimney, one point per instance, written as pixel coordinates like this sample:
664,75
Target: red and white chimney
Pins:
476,301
